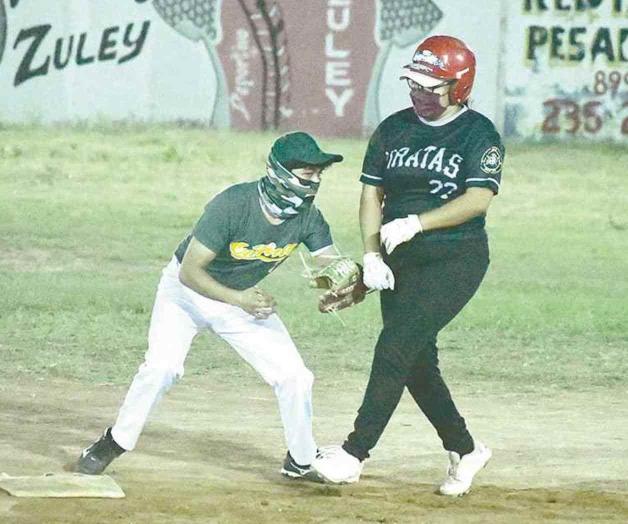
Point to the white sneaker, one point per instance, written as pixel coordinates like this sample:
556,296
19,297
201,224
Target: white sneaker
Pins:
335,465
461,471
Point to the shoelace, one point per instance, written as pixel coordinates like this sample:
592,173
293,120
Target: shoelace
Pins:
329,451
452,469
452,473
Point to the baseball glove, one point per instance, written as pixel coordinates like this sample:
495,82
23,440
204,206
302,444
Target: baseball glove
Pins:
342,279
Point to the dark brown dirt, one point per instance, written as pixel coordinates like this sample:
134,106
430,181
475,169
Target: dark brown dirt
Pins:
212,454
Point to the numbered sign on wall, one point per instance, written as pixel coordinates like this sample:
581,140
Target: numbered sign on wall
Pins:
567,69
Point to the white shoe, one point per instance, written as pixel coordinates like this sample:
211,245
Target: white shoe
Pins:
461,471
335,465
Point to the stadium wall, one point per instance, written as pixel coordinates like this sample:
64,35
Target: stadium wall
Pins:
546,67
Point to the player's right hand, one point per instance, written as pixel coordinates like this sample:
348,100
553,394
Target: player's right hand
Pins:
257,302
399,231
377,274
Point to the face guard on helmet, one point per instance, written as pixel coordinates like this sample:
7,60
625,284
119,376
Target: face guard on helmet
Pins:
282,193
445,58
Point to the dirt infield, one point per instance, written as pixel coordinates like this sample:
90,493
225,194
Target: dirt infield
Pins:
212,454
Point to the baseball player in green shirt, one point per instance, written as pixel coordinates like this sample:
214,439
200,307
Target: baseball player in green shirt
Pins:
211,283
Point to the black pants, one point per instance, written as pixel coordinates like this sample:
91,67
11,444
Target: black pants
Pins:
433,282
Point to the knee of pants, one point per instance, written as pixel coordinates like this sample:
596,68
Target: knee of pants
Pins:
300,379
161,375
396,351
428,357
400,339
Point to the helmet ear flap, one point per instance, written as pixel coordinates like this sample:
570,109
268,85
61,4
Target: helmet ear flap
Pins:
454,93
461,89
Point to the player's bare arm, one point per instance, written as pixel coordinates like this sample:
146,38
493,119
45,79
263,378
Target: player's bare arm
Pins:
255,301
474,202
323,257
377,275
371,216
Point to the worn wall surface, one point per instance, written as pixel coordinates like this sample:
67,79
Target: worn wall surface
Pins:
566,69
546,67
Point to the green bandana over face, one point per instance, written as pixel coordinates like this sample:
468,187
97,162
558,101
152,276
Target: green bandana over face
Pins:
282,193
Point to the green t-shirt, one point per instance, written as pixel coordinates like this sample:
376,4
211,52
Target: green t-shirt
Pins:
422,166
247,246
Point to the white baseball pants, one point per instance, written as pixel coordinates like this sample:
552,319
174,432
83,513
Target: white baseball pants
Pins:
178,315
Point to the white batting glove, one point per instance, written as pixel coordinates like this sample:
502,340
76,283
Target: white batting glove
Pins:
399,231
377,275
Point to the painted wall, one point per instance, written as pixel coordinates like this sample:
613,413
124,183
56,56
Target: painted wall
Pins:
545,67
111,59
328,66
567,69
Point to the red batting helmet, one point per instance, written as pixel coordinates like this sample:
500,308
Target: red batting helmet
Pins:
447,58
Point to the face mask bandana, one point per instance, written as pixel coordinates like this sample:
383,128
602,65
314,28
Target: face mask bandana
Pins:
426,105
282,193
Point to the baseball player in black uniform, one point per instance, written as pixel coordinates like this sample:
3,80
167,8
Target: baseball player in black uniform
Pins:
429,175
211,283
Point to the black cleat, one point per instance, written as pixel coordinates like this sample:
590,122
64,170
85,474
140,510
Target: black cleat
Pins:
293,470
95,459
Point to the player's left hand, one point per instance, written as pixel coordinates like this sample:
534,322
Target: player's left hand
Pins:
266,304
399,231
257,302
343,280
335,300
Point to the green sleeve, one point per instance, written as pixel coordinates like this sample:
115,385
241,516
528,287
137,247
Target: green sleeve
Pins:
484,161
374,161
316,234
213,228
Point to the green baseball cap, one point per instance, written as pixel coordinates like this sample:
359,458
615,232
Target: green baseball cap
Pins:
299,149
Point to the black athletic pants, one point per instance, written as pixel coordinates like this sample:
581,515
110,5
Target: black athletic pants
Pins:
433,282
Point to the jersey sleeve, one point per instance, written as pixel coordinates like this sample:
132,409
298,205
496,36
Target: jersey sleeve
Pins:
213,227
374,161
484,161
316,235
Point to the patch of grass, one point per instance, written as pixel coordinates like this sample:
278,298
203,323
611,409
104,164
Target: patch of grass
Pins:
89,215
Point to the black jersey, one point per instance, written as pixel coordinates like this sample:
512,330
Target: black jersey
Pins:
423,165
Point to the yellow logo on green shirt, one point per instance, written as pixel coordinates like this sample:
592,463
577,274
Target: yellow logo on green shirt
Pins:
265,252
